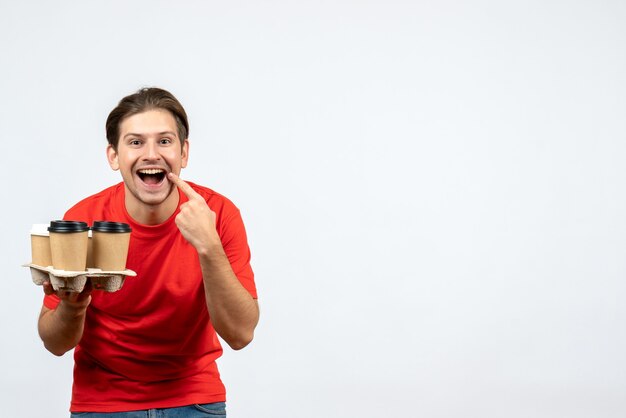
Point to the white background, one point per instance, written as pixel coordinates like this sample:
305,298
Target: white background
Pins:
433,191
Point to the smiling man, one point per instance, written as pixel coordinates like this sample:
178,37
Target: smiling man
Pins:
150,349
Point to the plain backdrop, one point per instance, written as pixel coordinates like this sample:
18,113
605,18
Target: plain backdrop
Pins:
433,192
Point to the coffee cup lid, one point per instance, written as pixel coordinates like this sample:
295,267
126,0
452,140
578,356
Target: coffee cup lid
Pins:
106,226
68,226
39,229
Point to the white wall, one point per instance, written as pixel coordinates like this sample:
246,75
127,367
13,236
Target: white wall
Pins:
433,190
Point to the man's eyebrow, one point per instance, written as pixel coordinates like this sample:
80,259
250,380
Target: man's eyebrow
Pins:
142,135
131,134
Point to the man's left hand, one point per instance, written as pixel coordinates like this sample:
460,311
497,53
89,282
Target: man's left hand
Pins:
196,221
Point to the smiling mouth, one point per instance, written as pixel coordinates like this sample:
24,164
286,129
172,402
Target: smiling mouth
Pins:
151,176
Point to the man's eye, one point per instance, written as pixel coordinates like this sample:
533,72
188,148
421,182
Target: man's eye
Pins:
134,142
166,141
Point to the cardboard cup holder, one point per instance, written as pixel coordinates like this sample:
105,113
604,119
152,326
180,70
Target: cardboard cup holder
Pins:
75,281
73,245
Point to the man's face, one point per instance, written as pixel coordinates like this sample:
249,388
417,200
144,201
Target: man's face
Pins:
148,149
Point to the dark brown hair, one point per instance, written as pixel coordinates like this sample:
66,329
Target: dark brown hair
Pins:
148,98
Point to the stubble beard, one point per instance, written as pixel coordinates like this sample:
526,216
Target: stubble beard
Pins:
141,197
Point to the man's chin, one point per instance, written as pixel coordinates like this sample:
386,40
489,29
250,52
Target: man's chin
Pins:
155,199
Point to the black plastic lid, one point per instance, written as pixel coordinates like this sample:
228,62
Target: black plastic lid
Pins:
105,226
68,226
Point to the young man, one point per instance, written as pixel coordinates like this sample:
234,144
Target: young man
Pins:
153,344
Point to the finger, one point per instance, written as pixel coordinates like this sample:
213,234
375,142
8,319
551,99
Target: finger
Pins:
87,289
67,295
47,288
83,294
182,185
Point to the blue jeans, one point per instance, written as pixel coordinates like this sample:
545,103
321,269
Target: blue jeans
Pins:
206,410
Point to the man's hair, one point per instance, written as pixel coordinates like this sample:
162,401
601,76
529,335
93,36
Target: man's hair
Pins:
148,98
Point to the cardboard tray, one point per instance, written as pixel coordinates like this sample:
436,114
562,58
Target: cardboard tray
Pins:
74,281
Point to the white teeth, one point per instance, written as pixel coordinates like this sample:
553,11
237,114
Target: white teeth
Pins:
151,171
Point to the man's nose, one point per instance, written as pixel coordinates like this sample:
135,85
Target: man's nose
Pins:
152,151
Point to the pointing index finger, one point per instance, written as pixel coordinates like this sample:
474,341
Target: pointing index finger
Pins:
182,185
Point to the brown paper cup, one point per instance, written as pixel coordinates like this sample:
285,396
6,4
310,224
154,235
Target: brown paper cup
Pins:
40,245
110,245
68,245
110,250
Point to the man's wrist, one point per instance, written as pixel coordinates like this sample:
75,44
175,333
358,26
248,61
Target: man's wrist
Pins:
211,250
71,310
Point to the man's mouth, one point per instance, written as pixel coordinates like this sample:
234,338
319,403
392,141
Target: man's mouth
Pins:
151,176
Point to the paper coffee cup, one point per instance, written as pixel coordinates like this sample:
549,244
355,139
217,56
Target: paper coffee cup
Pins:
68,245
110,245
40,245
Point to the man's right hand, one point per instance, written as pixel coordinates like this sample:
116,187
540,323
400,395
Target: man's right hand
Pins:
62,328
73,300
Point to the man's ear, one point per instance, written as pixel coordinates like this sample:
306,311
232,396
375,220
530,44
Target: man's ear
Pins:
112,158
185,153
